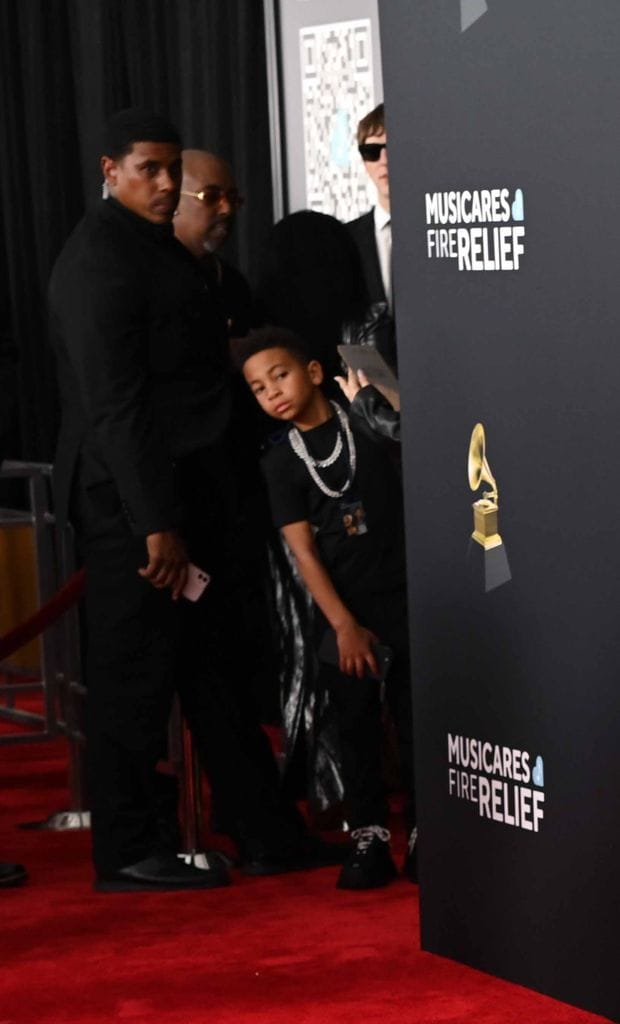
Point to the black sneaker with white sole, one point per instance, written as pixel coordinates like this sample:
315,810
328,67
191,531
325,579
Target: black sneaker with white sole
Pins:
369,864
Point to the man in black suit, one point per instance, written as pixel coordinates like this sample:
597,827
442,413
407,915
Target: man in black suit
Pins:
204,220
144,471
372,233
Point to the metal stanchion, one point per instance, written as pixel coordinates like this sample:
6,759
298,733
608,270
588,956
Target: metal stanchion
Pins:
77,817
186,765
191,803
71,696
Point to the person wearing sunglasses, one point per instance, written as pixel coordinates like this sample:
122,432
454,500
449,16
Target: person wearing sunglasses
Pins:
204,220
208,203
372,233
272,838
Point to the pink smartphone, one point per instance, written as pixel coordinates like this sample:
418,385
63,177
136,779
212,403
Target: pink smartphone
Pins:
197,582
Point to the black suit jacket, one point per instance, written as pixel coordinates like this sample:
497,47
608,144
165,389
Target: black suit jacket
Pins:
377,327
142,363
363,232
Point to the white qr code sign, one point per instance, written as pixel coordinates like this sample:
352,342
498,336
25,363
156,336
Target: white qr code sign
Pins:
337,90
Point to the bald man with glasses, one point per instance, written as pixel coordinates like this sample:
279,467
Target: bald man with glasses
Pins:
203,221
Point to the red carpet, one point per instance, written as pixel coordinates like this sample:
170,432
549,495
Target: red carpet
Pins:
288,950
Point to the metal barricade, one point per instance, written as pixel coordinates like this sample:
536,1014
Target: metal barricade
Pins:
57,679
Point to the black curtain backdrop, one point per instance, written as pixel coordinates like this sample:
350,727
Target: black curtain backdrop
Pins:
65,66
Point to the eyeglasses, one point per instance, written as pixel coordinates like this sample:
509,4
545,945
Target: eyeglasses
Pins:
211,195
371,151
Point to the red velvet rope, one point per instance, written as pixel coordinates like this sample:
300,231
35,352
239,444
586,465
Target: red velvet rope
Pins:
62,600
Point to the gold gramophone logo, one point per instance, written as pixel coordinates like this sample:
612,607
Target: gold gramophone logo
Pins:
486,508
486,511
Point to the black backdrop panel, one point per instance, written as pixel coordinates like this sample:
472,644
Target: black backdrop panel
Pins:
514,108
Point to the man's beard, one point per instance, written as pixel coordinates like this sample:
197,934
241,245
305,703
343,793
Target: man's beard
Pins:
218,233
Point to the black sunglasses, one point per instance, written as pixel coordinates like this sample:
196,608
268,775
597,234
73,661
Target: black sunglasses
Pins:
371,151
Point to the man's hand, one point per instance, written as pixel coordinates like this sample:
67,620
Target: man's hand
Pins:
167,562
355,382
355,649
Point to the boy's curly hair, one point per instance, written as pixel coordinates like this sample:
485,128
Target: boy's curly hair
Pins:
262,338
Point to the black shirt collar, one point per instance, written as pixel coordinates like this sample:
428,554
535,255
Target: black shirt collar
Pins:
157,232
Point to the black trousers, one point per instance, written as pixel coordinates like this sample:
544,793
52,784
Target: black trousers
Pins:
142,647
359,716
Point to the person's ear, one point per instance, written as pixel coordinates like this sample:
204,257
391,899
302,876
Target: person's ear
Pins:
315,371
109,169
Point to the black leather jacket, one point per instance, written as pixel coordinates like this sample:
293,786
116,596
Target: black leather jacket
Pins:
376,413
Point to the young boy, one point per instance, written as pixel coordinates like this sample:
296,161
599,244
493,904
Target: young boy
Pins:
336,498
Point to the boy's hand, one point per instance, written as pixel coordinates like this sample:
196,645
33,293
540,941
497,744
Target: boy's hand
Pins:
355,649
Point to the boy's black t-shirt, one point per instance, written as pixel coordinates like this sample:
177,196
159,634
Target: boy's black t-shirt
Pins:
359,536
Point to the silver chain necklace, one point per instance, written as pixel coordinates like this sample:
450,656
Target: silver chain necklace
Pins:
312,465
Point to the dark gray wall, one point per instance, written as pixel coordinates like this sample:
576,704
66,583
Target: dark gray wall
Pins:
528,97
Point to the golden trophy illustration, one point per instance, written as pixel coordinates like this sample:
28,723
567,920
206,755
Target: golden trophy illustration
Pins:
486,508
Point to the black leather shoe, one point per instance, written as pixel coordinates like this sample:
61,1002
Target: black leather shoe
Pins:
410,864
370,863
12,875
164,873
312,852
